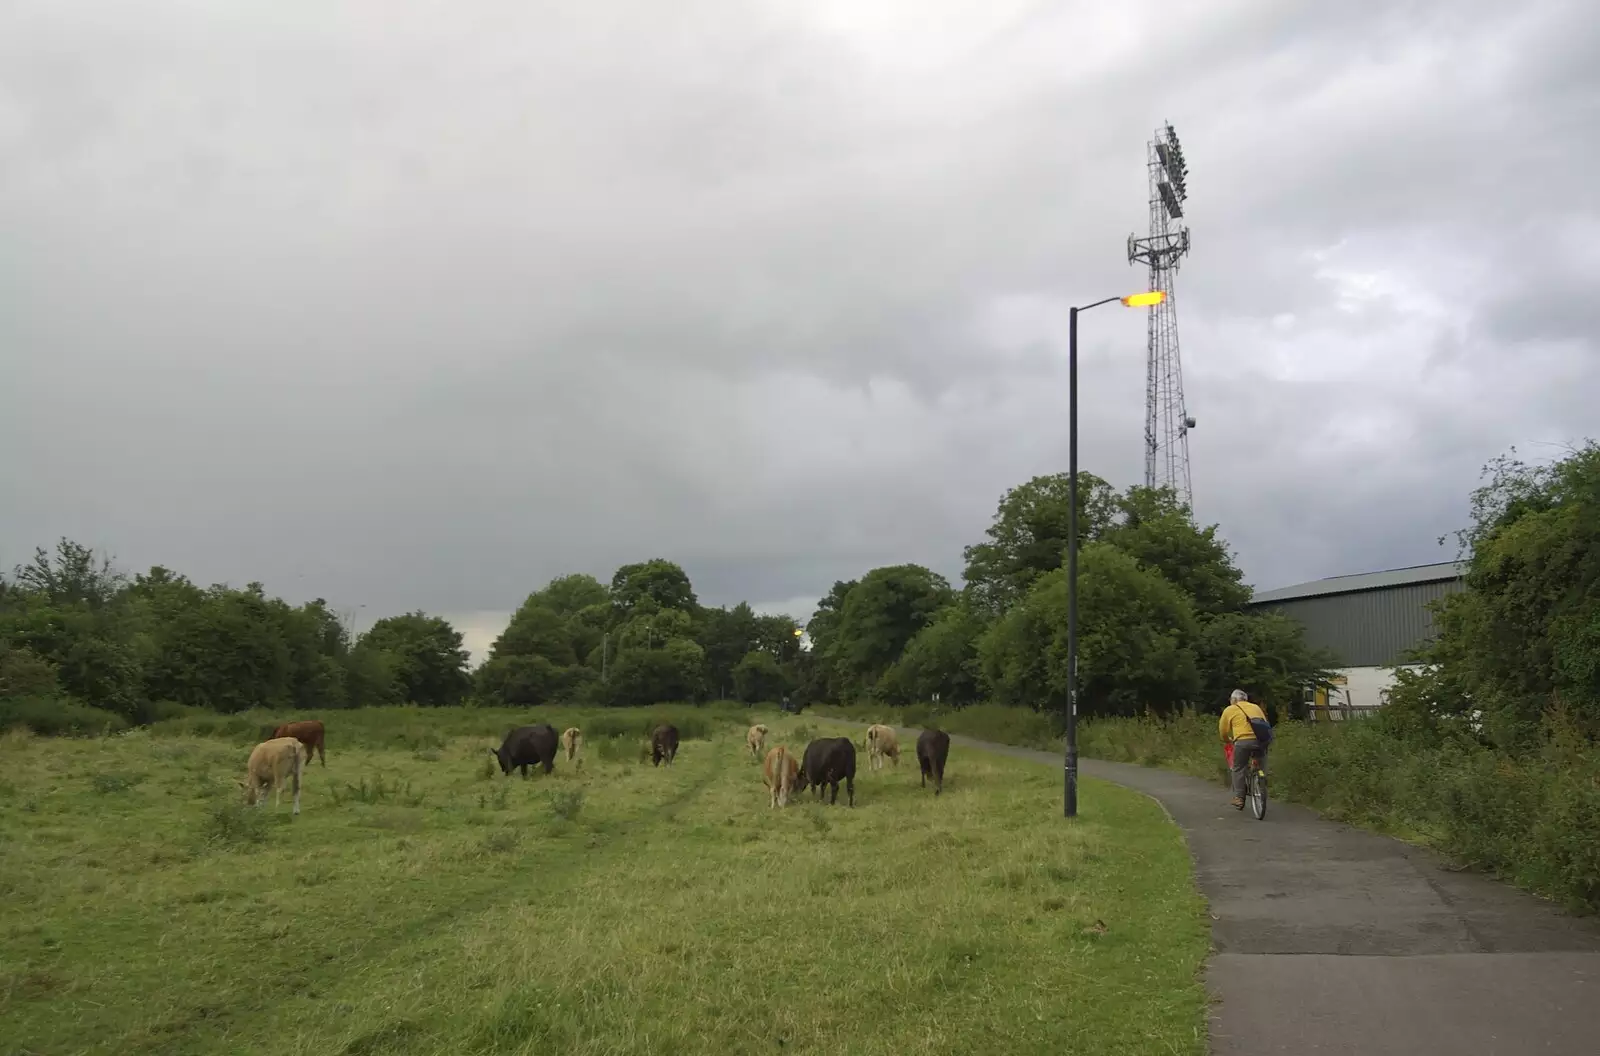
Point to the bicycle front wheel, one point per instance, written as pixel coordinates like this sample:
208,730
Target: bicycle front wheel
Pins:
1258,793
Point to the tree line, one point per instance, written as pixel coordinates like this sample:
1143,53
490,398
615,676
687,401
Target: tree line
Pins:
1163,625
1516,654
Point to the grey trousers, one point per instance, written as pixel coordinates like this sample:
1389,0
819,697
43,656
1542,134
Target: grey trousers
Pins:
1242,750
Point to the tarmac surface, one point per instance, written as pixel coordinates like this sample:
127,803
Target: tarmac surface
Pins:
1332,939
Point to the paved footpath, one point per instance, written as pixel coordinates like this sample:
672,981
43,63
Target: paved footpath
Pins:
1331,939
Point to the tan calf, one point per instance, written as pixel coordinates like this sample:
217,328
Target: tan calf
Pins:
779,772
571,742
756,740
271,764
881,742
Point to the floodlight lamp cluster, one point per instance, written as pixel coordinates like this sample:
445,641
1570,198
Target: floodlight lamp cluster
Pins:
1174,190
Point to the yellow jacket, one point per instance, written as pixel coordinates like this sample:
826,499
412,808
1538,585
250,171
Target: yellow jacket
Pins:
1234,725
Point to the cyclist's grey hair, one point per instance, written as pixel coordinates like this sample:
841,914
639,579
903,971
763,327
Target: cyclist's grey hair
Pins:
1236,696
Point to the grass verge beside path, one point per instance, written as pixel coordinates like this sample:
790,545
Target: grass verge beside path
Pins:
423,903
1529,817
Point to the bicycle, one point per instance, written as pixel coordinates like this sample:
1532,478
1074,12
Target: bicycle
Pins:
1255,786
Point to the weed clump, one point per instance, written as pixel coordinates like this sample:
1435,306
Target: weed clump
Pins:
229,825
566,803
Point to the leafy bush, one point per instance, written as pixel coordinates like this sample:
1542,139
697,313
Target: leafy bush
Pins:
58,717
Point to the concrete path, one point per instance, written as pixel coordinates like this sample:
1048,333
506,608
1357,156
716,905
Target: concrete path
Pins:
1332,939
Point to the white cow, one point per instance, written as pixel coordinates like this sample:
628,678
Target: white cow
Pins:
271,764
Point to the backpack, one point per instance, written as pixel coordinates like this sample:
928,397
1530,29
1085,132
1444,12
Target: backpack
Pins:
1263,730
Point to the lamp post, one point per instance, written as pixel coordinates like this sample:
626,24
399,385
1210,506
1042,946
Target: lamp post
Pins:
1136,300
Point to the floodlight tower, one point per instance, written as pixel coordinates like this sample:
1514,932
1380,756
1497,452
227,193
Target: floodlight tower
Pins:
1166,420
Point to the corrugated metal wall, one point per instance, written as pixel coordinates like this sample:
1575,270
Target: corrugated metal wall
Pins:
1372,628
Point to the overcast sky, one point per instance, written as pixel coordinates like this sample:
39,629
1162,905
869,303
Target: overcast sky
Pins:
421,304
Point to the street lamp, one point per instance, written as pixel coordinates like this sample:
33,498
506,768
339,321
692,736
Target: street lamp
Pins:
1135,300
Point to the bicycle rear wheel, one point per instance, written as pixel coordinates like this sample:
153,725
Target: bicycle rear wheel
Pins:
1258,791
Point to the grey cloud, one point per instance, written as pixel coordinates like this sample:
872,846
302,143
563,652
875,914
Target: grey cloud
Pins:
424,310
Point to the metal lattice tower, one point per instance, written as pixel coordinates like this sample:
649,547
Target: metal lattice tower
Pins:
1166,419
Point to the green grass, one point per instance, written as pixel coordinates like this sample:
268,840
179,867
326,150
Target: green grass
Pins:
1186,742
423,903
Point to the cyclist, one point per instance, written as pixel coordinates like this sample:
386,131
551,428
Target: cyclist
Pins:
1238,731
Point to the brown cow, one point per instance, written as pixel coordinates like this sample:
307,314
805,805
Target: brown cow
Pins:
881,742
271,762
780,772
309,733
664,744
571,742
756,740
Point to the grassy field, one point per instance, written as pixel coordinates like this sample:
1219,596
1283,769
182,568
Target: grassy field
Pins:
423,903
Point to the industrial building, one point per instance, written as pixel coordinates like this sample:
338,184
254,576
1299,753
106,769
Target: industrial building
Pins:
1369,622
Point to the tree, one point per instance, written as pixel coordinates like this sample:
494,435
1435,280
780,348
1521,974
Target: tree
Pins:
654,676
431,665
776,635
830,608
726,635
227,653
1264,654
1525,634
823,678
1156,528
661,581
1029,537
567,596
881,615
759,677
72,576
1134,635
941,660
530,663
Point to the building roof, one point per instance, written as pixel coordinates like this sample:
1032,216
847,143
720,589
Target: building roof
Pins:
1394,577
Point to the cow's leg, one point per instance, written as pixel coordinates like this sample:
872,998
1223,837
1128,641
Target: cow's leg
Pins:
297,783
322,753
850,788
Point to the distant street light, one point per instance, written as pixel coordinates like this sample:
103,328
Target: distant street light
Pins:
1134,300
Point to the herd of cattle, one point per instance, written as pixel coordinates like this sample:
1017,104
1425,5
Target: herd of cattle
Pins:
280,760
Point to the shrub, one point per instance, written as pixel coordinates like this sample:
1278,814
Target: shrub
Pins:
58,717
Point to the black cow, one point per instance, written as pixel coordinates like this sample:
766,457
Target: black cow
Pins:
828,761
663,744
933,748
528,746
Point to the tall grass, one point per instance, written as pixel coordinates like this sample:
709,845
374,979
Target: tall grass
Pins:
1532,817
428,730
617,908
989,722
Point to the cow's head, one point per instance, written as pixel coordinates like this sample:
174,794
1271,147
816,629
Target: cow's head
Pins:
248,788
500,757
800,780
